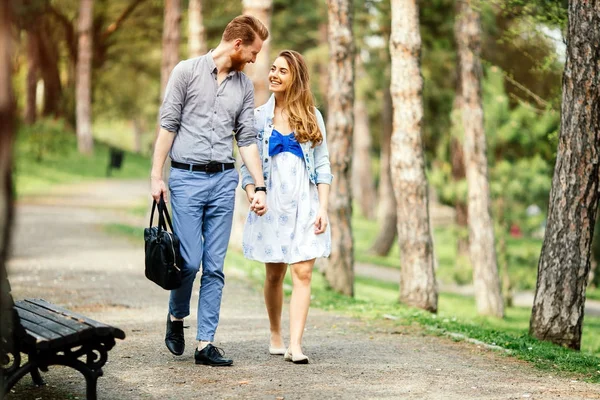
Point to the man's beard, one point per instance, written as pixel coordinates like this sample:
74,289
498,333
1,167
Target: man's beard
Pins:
237,64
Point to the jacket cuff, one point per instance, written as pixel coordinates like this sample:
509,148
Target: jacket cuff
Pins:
324,178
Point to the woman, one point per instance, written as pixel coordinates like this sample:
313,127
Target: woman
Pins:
297,173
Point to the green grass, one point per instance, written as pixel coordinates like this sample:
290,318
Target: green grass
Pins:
457,314
46,155
522,256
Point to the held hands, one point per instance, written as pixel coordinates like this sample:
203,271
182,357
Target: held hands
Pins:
321,222
157,187
258,202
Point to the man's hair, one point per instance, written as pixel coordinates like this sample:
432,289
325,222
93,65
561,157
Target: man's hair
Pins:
245,27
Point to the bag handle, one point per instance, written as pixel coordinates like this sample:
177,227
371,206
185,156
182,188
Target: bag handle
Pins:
163,213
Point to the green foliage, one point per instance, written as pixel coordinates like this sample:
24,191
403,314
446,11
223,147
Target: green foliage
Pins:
44,139
61,162
456,315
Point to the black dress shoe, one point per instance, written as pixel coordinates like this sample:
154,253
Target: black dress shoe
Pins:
211,355
174,339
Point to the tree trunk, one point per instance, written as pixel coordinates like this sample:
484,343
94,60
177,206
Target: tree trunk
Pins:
340,267
363,183
386,214
457,161
197,34
481,228
7,116
170,57
323,68
417,281
85,142
30,112
170,42
259,71
48,62
558,307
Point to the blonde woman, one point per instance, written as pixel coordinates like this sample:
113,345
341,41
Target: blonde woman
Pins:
295,229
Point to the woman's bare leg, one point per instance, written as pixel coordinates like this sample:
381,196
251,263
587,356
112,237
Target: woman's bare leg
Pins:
273,292
299,303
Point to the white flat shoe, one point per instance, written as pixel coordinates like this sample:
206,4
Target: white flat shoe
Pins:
276,351
300,359
288,355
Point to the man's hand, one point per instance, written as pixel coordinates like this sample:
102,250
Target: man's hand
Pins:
157,187
259,203
321,222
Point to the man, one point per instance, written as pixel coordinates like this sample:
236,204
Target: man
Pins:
207,100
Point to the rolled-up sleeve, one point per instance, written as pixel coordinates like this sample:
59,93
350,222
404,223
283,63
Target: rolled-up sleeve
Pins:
175,96
245,132
322,164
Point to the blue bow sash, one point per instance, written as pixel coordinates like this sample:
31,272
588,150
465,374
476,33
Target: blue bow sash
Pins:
279,143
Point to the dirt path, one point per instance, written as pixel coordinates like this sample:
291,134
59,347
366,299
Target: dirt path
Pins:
63,255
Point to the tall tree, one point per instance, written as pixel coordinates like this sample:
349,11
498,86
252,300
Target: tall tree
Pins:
197,35
258,72
363,183
30,111
340,267
170,42
564,264
85,141
386,208
482,249
417,282
7,115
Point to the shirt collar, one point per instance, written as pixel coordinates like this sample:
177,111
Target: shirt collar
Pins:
212,67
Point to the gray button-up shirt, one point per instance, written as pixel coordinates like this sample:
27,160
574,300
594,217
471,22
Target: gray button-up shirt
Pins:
205,115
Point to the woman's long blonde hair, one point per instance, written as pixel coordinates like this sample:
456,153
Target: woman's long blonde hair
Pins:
299,100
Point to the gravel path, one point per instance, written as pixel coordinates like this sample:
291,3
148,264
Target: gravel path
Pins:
62,254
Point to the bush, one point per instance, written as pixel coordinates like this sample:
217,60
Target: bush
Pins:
44,139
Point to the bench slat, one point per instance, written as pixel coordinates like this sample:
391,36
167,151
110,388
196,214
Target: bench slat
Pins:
58,318
100,328
47,323
43,337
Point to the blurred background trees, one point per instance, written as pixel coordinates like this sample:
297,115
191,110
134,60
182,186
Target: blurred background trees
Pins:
520,48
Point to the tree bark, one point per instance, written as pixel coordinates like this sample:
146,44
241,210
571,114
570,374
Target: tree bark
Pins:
417,281
386,214
85,141
457,161
259,71
363,183
197,34
30,112
481,228
564,265
48,62
417,286
170,42
339,272
7,116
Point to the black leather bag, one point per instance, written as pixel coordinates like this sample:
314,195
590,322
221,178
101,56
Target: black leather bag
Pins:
163,256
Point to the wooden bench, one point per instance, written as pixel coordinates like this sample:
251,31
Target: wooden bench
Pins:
51,335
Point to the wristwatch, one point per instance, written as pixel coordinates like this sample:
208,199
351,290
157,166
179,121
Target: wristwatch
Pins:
260,189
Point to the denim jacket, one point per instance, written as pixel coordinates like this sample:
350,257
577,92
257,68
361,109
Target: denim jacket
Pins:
316,159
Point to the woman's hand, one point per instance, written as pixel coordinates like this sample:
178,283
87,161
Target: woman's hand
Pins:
321,222
249,193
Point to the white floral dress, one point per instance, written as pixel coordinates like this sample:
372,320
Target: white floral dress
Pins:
286,233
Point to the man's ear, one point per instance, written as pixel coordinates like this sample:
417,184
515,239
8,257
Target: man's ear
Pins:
237,44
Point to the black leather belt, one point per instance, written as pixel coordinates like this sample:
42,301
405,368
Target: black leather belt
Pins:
211,168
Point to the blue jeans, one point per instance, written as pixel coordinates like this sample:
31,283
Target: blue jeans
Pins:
202,206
